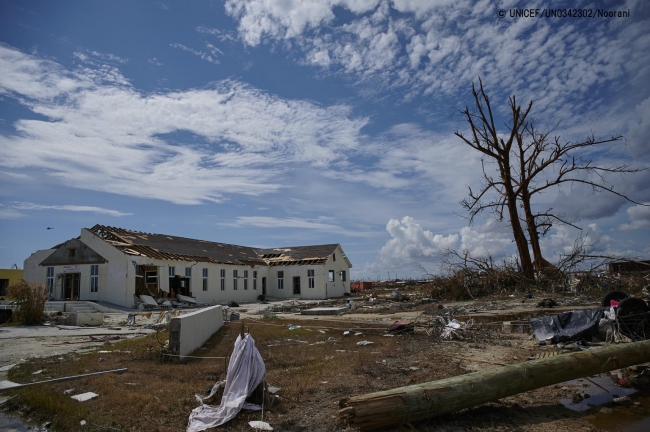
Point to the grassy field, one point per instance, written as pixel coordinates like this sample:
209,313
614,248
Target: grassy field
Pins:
315,366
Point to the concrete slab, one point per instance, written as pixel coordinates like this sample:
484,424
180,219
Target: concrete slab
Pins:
186,299
188,332
83,397
85,319
149,301
8,384
324,311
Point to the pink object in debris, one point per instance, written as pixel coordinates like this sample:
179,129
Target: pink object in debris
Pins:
613,303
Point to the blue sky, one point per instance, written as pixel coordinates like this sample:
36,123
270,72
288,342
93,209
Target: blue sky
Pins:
277,123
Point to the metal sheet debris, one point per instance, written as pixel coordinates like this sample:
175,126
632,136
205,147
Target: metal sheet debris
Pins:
567,326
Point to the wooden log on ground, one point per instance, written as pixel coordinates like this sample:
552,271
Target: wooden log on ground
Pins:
422,401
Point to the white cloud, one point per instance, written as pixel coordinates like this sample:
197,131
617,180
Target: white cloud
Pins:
297,223
439,47
9,213
411,246
222,35
74,208
286,19
639,216
488,240
639,129
211,57
108,137
90,57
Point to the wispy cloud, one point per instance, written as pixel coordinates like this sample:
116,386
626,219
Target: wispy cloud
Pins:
73,208
92,57
105,136
222,35
9,213
296,223
209,57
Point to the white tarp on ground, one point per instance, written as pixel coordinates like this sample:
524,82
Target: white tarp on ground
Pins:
246,371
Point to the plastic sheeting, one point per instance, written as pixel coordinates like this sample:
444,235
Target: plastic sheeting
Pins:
567,326
246,371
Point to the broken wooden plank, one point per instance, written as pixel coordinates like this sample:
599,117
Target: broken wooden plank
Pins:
422,401
10,385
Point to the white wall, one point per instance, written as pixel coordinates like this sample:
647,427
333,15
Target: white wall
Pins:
117,277
214,294
337,288
33,273
322,287
37,273
117,281
189,332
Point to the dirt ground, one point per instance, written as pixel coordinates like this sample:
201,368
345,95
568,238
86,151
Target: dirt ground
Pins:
316,366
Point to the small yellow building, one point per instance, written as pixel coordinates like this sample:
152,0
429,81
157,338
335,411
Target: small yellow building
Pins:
9,277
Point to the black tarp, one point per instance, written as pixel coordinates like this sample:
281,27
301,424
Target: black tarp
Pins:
567,326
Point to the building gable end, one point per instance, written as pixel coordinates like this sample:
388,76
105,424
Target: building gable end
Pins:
72,252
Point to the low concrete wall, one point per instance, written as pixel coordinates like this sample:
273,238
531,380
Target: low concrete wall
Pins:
189,332
85,318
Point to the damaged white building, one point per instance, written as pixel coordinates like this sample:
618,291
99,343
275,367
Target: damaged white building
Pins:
114,264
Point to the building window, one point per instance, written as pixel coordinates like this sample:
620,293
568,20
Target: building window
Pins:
330,276
137,270
188,272
205,279
254,280
223,279
71,252
342,275
245,279
334,256
280,280
151,277
94,278
172,271
234,280
310,278
50,279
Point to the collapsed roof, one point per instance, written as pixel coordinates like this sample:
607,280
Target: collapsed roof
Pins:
166,247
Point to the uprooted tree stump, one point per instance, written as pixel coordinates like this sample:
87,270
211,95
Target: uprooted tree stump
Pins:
422,401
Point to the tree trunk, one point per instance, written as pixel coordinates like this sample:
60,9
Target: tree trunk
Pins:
517,231
422,401
531,227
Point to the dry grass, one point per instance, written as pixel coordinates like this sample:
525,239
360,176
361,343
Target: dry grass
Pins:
157,394
30,300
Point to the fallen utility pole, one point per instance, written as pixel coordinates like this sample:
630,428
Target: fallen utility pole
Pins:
422,401
10,385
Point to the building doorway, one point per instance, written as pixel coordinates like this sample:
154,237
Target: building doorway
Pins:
296,284
264,286
179,285
71,286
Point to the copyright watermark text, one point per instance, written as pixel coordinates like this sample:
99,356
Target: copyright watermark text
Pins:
562,13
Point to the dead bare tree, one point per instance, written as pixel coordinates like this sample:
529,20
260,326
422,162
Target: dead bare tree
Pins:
528,163
485,139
